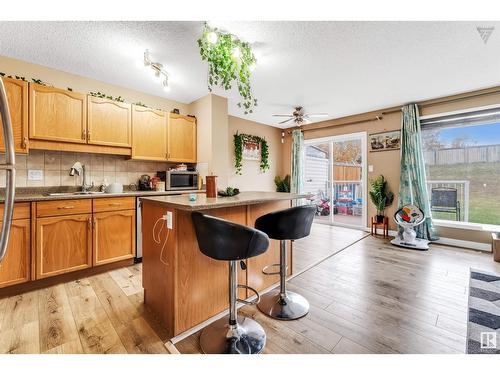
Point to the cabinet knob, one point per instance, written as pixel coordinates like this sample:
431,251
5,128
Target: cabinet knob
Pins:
84,135
65,207
25,142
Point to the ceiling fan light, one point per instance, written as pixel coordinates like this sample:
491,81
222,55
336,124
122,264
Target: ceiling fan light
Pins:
157,76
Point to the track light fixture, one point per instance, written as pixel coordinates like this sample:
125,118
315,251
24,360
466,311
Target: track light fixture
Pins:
159,73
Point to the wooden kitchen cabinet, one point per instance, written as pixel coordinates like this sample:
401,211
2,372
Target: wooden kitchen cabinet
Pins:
17,97
113,236
57,115
181,138
109,122
15,268
149,134
63,244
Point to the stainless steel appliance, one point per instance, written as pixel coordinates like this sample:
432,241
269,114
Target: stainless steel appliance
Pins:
179,180
9,168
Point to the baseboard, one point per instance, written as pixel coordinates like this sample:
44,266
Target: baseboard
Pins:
465,244
453,242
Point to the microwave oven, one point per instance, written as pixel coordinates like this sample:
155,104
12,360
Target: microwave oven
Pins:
179,180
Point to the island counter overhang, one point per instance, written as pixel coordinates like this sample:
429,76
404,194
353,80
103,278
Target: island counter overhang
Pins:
183,287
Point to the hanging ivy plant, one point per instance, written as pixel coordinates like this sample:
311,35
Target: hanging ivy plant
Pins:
99,94
229,59
239,140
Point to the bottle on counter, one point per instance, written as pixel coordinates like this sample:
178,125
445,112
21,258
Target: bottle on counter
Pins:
211,186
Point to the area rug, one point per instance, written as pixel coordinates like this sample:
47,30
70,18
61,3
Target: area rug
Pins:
483,327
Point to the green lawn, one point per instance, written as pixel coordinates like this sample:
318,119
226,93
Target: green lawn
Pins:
484,198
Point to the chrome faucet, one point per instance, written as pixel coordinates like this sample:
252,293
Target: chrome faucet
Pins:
79,169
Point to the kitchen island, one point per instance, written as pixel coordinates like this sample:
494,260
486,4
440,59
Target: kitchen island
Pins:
182,286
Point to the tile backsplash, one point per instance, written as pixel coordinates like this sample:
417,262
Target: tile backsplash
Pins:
56,165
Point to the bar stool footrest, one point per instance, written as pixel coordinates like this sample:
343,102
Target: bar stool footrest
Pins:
266,272
254,302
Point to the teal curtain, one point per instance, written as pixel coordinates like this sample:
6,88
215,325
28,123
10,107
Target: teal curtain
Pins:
297,181
413,183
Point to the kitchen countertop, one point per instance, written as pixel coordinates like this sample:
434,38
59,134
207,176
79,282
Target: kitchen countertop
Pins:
182,202
41,194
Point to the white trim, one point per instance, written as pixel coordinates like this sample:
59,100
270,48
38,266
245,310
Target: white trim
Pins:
364,170
464,244
460,111
331,138
466,225
453,242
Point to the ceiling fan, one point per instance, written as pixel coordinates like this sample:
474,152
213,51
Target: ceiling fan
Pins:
299,117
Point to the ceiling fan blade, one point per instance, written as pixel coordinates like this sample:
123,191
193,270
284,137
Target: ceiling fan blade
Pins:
283,115
317,115
282,122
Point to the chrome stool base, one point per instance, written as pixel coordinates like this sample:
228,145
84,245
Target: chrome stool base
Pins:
248,337
292,307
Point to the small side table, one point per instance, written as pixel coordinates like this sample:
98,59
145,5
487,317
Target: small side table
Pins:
384,224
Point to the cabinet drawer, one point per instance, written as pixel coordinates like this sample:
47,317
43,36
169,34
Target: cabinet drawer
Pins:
63,207
113,204
21,211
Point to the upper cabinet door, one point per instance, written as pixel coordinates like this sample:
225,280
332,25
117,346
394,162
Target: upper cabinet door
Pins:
17,96
149,134
57,115
181,138
109,123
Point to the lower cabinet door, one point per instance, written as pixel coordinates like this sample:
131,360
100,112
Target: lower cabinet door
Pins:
114,236
63,244
15,268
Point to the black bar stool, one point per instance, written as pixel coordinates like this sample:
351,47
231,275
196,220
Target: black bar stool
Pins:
223,240
290,224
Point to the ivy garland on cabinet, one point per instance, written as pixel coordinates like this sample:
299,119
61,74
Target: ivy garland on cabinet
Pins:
229,59
239,140
97,94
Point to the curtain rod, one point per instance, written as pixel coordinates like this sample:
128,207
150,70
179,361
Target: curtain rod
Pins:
424,104
432,103
376,118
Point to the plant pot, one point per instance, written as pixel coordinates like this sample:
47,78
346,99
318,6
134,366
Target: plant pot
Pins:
379,218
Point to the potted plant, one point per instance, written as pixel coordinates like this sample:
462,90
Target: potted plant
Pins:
380,196
282,184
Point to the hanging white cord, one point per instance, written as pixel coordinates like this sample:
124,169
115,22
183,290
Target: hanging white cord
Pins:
158,240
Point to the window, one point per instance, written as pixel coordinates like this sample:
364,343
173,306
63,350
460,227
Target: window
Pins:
462,157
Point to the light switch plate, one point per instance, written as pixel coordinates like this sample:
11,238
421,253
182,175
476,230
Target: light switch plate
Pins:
370,168
35,174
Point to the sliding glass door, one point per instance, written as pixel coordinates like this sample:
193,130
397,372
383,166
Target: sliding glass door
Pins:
335,175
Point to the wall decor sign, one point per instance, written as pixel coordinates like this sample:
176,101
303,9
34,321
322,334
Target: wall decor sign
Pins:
251,150
385,141
250,147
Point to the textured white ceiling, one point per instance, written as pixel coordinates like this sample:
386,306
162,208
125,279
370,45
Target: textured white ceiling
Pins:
337,67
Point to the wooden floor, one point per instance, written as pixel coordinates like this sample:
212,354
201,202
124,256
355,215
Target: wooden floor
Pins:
99,314
321,243
376,298
368,298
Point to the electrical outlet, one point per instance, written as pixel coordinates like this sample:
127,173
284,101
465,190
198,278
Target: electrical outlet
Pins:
169,220
35,174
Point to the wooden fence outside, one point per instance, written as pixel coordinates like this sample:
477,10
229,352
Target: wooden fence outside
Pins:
474,154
